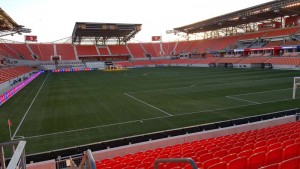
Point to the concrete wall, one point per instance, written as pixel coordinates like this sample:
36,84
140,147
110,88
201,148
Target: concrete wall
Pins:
42,165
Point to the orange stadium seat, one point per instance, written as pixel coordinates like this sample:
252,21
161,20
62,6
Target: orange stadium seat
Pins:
136,50
206,155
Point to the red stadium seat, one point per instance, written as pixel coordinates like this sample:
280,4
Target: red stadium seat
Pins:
291,151
287,142
256,160
205,157
274,156
220,165
271,166
229,157
245,153
238,163
210,162
220,153
234,150
293,163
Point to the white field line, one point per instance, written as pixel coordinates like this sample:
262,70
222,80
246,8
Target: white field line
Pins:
29,107
246,94
154,118
148,104
241,99
202,85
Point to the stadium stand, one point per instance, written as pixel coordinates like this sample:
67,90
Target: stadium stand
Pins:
86,50
230,60
116,50
22,50
168,48
250,60
103,50
136,50
7,74
180,47
10,53
277,145
281,32
45,50
273,44
251,36
66,51
36,51
149,48
284,61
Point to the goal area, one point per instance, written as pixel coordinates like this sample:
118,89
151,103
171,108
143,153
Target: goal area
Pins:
295,86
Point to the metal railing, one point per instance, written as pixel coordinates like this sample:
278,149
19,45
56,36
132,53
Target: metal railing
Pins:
18,159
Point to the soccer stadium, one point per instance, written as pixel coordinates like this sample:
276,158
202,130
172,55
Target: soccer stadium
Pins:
224,96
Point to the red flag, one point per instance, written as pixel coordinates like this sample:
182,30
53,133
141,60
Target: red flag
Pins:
9,122
30,38
156,38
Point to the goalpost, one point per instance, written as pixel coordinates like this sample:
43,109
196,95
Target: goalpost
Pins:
115,67
296,84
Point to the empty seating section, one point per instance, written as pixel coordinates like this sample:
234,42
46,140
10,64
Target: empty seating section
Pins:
10,52
222,43
284,61
36,51
281,32
66,51
136,50
86,50
157,48
7,74
181,47
230,60
22,50
103,51
273,147
250,60
290,43
168,48
117,50
45,50
252,35
149,48
207,60
273,44
142,63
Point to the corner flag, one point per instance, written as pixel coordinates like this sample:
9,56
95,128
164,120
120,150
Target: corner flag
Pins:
9,122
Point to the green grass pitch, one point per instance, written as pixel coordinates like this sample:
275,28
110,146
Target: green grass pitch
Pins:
59,110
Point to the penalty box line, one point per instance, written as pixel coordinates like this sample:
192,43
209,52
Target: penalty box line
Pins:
246,94
139,100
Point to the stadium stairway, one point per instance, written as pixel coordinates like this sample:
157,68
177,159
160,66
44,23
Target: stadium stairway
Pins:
275,147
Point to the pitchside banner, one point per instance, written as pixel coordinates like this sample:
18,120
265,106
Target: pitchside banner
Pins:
30,38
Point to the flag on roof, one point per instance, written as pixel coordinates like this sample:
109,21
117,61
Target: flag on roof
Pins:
156,38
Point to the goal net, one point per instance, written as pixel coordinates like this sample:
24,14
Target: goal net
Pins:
115,67
295,86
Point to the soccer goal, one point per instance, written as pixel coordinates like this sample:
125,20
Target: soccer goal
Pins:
296,84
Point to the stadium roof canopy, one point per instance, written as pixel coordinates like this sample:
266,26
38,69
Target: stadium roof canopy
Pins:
8,26
262,12
102,32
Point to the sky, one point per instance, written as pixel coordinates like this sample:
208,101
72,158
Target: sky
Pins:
51,20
